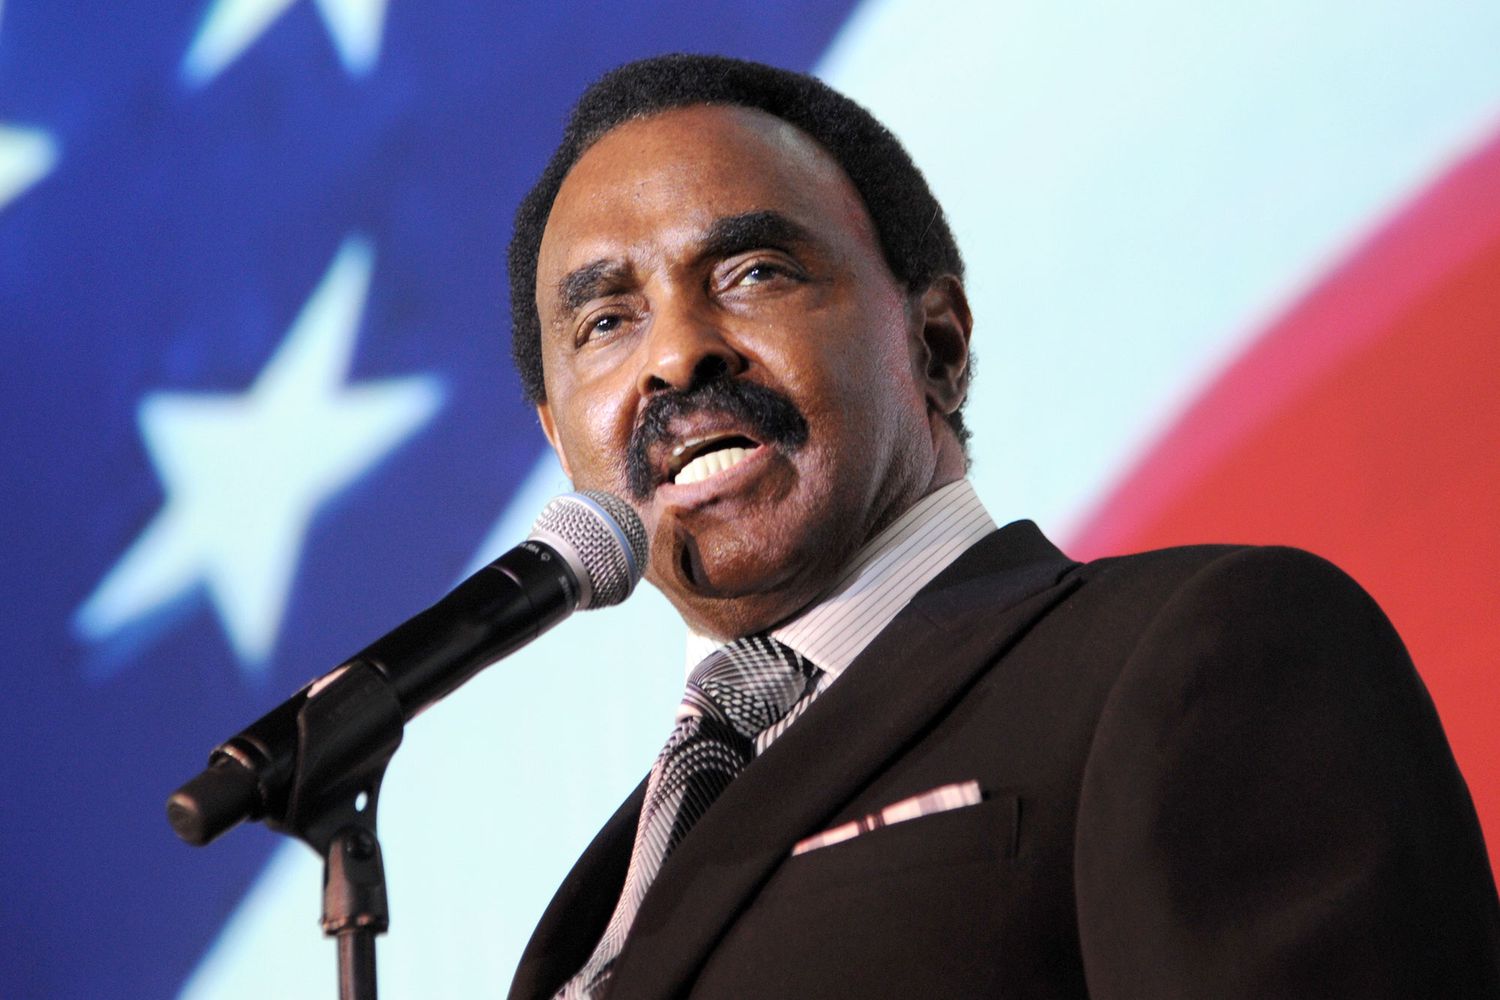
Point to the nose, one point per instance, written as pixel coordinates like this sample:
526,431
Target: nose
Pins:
685,347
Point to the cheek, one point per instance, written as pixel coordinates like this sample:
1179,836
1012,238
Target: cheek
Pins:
602,449
868,383
593,432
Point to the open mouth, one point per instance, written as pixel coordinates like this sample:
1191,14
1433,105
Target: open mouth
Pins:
695,459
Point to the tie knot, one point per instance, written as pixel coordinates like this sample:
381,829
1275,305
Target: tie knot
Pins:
748,684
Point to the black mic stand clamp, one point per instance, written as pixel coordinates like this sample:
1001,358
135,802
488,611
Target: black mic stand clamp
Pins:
332,805
348,724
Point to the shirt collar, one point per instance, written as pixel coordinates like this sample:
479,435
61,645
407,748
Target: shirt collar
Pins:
880,580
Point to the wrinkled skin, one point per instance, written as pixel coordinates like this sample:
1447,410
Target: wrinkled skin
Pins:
721,243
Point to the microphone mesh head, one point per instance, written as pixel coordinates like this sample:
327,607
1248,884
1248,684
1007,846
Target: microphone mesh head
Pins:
607,536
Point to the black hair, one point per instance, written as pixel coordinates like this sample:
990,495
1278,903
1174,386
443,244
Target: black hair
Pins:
914,235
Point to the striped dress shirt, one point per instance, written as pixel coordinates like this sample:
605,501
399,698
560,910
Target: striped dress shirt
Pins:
878,582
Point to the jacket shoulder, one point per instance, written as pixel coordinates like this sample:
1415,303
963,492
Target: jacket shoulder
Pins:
1234,587
1180,563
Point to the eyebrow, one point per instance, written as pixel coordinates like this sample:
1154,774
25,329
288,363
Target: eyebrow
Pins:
590,281
734,234
726,237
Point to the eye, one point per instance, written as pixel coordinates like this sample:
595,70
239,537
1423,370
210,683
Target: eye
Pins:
600,326
760,271
757,273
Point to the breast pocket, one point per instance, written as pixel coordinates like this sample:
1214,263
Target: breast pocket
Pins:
951,840
918,908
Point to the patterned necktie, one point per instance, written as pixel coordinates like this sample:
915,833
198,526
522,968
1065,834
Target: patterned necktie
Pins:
737,691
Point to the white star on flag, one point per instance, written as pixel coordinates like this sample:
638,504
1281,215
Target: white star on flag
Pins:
245,473
232,26
26,156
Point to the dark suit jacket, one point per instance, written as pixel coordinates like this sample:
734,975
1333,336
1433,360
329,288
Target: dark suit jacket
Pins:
1208,772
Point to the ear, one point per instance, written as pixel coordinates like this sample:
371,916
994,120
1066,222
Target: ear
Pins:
544,414
941,343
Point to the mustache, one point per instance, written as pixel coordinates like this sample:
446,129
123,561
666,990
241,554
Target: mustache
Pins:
768,415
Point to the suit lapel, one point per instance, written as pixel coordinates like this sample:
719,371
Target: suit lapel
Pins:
972,612
575,919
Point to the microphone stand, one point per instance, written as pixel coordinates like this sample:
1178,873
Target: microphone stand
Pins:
345,734
334,793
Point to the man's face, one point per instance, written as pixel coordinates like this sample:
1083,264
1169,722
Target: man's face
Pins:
723,342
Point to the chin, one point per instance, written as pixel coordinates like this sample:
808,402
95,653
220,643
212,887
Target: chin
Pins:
739,585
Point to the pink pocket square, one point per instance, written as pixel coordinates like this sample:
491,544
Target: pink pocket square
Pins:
955,796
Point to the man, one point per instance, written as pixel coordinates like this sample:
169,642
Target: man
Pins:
988,771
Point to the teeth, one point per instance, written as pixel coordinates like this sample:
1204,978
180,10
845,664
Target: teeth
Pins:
706,465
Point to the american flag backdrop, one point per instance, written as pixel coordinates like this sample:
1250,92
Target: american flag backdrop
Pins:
1236,273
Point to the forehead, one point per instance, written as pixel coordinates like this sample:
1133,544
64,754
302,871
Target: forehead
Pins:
650,185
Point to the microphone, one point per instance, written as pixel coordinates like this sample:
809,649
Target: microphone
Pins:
586,550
